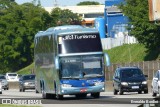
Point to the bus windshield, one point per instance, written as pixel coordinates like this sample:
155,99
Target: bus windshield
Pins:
81,66
77,43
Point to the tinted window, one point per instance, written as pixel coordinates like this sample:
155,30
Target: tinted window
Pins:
12,74
118,75
74,43
29,77
44,44
2,77
127,73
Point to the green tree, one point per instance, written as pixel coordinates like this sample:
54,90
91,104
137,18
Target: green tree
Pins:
64,17
146,32
18,25
88,3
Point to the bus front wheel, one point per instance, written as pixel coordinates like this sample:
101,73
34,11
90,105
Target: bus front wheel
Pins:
47,96
44,95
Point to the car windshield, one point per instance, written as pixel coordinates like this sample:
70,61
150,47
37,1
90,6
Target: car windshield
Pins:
85,66
12,74
2,77
29,77
129,73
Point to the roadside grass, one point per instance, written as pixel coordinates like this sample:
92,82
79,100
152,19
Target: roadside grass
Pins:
27,70
127,53
9,105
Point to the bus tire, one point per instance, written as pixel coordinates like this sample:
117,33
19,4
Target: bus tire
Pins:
41,86
23,90
43,94
36,91
46,95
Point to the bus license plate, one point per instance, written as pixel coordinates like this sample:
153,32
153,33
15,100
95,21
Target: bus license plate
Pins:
83,90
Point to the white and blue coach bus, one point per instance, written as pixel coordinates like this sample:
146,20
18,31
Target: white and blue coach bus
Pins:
69,60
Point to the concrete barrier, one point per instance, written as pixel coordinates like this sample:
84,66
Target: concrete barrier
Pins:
13,85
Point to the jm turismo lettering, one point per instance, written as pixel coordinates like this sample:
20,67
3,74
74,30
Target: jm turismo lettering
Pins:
71,37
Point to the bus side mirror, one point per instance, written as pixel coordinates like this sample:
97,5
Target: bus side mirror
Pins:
57,62
107,59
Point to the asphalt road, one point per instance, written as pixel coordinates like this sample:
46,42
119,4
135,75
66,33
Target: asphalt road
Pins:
106,98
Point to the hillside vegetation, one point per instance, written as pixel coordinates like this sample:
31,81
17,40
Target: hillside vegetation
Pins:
27,70
127,53
120,54
131,53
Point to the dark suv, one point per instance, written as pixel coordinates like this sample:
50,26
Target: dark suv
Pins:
129,79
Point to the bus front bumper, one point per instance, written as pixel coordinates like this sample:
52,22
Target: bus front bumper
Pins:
78,90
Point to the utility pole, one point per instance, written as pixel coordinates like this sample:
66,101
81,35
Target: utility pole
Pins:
36,2
55,3
39,3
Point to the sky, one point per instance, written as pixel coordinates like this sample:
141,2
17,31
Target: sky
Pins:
50,3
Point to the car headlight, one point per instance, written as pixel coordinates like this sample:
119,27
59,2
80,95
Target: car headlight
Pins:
26,83
144,82
99,83
66,85
124,83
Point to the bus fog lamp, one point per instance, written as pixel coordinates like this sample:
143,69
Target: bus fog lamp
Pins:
99,83
66,85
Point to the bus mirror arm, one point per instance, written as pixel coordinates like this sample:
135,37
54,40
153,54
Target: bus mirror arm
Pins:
57,63
107,59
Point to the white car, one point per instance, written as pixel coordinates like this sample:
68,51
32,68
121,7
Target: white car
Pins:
156,84
0,88
12,77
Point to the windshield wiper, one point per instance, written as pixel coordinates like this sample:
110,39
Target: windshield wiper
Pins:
70,78
93,75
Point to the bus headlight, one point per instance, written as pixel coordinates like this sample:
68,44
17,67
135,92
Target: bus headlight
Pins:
99,83
65,85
